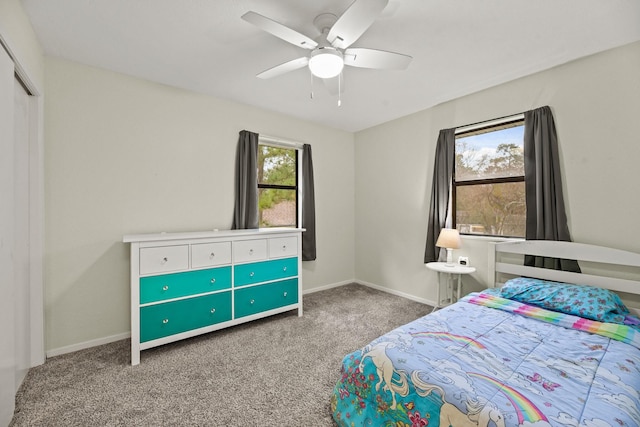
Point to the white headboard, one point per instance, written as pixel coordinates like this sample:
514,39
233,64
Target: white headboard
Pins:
611,259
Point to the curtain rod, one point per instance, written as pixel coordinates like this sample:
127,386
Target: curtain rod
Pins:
280,141
494,122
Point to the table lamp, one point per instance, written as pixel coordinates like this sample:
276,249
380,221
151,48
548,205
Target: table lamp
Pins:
449,239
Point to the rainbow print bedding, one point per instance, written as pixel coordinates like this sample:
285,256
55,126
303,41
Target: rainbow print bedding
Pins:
490,361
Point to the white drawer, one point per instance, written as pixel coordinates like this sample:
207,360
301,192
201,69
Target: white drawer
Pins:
210,254
249,250
164,258
283,247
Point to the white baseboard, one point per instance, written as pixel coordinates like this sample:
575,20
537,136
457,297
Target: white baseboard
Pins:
87,344
329,286
397,293
106,340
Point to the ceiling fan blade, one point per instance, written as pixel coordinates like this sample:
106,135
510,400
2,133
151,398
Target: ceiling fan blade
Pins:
379,59
354,22
279,30
284,68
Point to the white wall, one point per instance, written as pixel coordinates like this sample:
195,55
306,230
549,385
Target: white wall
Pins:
596,105
126,156
129,156
17,33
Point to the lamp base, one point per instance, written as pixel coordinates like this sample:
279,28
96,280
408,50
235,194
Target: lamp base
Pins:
449,262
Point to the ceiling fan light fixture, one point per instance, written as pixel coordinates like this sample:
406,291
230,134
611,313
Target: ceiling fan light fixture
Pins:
326,62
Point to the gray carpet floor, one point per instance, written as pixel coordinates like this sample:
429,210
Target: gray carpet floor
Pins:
278,371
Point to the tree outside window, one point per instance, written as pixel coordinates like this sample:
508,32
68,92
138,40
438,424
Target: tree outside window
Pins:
488,184
277,186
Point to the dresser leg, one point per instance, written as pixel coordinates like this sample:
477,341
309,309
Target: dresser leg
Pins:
135,356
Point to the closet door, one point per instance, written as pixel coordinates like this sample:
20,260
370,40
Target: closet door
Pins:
21,233
7,212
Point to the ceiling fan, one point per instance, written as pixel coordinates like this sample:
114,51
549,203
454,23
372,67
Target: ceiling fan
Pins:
331,51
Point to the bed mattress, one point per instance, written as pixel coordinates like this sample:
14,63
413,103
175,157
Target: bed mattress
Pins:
489,361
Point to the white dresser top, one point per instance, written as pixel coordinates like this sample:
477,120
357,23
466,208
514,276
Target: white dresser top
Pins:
153,237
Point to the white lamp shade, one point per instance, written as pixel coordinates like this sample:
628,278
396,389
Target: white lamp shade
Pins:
326,63
449,238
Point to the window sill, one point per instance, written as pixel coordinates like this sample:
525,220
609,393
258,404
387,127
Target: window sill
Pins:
490,238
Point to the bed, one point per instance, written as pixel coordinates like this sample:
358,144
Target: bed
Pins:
534,350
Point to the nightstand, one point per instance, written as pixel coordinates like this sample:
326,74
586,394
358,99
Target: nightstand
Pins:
442,267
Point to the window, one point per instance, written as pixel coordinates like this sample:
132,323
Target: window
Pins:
277,186
488,181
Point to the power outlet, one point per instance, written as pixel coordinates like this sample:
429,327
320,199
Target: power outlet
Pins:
463,260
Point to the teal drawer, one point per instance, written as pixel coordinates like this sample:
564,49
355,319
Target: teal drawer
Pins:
161,320
247,274
167,286
256,299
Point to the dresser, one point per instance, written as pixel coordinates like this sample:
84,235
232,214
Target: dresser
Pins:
187,284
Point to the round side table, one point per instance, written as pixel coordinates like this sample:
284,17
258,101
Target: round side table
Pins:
451,270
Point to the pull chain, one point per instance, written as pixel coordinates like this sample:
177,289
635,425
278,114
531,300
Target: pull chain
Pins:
311,85
340,89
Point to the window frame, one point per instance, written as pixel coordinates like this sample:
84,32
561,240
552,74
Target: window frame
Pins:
476,129
287,145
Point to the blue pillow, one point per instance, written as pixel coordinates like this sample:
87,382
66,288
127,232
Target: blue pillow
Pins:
579,300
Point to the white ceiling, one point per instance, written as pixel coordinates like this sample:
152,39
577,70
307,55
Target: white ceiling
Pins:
458,47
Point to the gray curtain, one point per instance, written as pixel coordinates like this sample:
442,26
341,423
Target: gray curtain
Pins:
440,190
546,216
308,206
245,214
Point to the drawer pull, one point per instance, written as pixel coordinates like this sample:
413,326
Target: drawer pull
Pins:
250,251
213,281
212,255
165,288
284,268
164,260
285,294
165,321
213,310
251,302
284,247
251,274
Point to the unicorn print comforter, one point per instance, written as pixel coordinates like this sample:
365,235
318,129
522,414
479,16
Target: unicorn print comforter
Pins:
488,361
